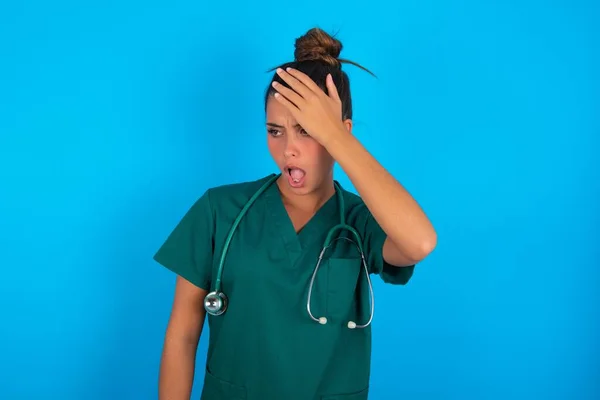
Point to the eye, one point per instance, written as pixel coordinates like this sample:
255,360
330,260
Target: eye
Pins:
303,132
274,132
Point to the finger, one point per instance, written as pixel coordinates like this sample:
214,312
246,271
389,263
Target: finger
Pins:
305,79
286,103
294,83
331,88
288,94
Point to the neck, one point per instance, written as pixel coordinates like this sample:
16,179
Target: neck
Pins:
309,202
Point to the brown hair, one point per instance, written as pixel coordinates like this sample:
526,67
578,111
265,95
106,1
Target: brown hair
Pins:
317,54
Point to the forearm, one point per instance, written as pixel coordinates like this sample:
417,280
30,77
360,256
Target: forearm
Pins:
177,368
398,214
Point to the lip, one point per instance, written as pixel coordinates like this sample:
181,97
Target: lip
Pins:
288,167
291,182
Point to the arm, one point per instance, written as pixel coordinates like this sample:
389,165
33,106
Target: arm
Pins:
410,234
181,342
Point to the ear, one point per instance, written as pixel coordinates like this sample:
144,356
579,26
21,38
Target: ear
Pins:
348,125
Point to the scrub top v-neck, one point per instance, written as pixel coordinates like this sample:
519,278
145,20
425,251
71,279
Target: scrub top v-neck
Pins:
265,346
295,243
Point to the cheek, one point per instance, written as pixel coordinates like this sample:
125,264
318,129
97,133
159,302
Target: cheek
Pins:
321,156
274,146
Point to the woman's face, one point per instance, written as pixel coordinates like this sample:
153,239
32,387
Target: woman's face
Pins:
306,166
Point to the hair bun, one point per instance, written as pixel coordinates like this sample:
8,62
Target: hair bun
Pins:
318,45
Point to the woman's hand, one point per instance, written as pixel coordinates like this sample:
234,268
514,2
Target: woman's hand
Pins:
319,114
410,234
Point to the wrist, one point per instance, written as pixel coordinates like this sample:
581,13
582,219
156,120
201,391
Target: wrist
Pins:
336,139
348,152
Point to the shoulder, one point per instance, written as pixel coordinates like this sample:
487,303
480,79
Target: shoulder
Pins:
236,191
233,194
359,216
355,207
352,200
221,202
245,188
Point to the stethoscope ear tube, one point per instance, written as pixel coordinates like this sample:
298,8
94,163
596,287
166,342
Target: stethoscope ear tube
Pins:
323,320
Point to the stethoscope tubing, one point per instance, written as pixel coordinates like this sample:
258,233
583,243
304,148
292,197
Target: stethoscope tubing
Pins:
216,301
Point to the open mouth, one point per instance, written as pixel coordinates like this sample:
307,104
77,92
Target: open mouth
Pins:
295,176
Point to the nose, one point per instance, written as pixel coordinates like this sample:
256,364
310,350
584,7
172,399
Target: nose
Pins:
291,148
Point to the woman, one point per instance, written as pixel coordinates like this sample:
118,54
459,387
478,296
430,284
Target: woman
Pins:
280,332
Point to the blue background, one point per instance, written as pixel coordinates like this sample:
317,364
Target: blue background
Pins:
116,116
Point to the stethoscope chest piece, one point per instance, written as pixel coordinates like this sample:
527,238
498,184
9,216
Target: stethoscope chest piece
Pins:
215,303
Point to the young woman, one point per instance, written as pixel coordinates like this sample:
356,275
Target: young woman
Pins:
289,321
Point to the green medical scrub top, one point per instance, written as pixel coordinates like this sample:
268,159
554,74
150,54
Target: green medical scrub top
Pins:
265,346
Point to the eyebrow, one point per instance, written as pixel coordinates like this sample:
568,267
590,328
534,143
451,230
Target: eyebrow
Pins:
274,125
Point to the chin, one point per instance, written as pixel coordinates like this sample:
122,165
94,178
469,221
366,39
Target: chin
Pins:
303,189
299,188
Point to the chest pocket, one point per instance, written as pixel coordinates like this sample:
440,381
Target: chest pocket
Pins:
343,288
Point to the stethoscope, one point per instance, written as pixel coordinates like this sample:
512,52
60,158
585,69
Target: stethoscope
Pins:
216,302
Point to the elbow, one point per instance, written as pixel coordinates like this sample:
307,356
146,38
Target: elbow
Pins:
409,254
429,244
424,248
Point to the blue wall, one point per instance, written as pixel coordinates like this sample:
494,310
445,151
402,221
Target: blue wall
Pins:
116,116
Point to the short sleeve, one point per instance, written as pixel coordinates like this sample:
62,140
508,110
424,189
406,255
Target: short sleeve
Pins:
373,239
188,250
